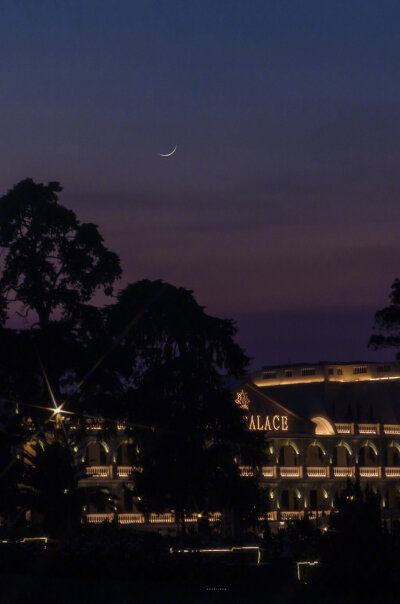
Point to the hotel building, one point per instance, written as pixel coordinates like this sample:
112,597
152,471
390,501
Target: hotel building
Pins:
324,423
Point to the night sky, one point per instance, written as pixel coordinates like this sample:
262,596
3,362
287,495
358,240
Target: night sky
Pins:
280,206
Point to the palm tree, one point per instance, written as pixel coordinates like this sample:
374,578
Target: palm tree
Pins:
49,487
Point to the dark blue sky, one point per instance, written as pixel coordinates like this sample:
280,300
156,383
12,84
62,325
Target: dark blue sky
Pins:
280,207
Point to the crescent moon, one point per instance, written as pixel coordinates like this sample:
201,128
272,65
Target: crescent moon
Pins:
169,154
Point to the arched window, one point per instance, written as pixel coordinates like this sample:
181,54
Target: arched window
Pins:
318,499
367,456
341,455
315,455
125,454
392,459
95,454
288,455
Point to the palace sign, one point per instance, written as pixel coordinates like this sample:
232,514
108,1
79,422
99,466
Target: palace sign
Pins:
269,423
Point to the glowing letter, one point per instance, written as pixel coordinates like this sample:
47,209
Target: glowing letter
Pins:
284,422
273,422
252,425
267,424
258,423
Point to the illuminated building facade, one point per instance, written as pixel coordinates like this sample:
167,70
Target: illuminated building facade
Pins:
324,423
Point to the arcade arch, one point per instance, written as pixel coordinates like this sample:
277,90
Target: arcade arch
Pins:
368,455
96,453
342,454
315,455
288,454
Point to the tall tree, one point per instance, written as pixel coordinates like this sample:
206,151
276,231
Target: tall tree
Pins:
188,428
50,261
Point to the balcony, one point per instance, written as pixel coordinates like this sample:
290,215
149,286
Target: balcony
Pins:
318,472
391,428
161,518
295,472
291,515
99,471
131,518
269,471
270,516
246,471
392,472
344,472
124,471
368,428
370,472
99,518
344,428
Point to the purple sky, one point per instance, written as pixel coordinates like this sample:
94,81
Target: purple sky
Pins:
279,208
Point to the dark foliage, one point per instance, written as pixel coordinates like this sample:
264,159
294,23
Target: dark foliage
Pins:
187,427
356,549
387,322
52,262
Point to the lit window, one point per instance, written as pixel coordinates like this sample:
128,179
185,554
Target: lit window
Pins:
269,375
308,371
358,370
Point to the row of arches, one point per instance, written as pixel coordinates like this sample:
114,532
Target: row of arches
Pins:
342,455
291,498
288,454
288,498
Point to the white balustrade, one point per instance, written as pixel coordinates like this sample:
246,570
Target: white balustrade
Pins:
99,518
343,472
291,515
368,428
318,472
391,428
392,472
162,518
269,471
370,472
99,471
131,518
270,516
295,472
124,471
215,517
246,471
342,428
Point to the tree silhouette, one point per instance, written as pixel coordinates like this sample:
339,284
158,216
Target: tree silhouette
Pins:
49,487
387,322
51,261
187,427
355,548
